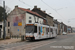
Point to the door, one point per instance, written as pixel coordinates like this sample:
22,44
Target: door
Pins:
39,32
0,33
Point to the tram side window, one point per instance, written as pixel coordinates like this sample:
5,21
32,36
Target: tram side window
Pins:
39,31
0,26
47,30
52,30
56,31
35,29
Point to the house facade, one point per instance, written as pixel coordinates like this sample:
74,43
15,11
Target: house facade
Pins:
18,18
69,29
73,29
45,15
61,27
57,24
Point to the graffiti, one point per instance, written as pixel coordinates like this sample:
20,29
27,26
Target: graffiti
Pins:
43,31
17,21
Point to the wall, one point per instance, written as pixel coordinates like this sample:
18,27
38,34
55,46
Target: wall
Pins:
49,20
16,30
33,18
27,18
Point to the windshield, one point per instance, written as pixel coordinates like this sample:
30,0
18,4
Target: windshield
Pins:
29,29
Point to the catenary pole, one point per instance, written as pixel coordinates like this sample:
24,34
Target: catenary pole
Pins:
4,33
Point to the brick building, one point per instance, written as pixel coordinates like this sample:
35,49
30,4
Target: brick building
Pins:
45,15
57,24
69,29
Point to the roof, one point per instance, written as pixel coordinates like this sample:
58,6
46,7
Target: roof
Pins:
43,12
27,10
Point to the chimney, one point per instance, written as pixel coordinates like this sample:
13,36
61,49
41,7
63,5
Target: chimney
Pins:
16,6
39,8
56,20
35,6
44,11
28,8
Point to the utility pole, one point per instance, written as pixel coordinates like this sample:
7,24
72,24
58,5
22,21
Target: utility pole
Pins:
4,33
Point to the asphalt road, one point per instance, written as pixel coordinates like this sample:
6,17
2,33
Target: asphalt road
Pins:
61,42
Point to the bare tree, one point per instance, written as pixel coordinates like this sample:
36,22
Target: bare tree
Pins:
7,9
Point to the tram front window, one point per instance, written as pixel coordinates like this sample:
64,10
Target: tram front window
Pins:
29,29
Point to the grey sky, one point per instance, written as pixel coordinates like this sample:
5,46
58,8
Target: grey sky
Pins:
65,8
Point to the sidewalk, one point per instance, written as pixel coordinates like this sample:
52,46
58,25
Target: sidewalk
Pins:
8,41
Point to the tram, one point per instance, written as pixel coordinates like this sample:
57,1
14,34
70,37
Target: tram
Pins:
39,31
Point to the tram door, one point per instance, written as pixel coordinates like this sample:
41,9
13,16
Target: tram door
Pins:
0,33
39,32
46,32
51,32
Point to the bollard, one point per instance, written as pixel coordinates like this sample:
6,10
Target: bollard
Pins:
22,38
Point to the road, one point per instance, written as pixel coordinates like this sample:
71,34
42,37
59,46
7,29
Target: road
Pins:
61,42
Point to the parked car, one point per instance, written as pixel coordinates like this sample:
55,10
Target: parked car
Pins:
64,33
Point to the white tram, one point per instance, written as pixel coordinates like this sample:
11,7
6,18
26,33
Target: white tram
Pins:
39,31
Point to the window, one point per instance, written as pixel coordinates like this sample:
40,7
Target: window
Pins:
8,31
8,24
0,26
29,17
29,29
52,30
39,31
30,21
46,30
56,31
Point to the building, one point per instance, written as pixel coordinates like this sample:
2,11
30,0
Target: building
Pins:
65,28
73,29
18,18
45,15
69,29
61,27
56,24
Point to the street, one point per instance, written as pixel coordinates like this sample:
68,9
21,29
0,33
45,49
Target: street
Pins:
61,42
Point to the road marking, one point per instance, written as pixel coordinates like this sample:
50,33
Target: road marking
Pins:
42,45
31,46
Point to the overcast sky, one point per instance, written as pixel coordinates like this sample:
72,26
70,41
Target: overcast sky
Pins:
62,10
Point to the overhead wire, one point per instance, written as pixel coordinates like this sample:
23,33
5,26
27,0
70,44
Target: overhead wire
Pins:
51,8
25,3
